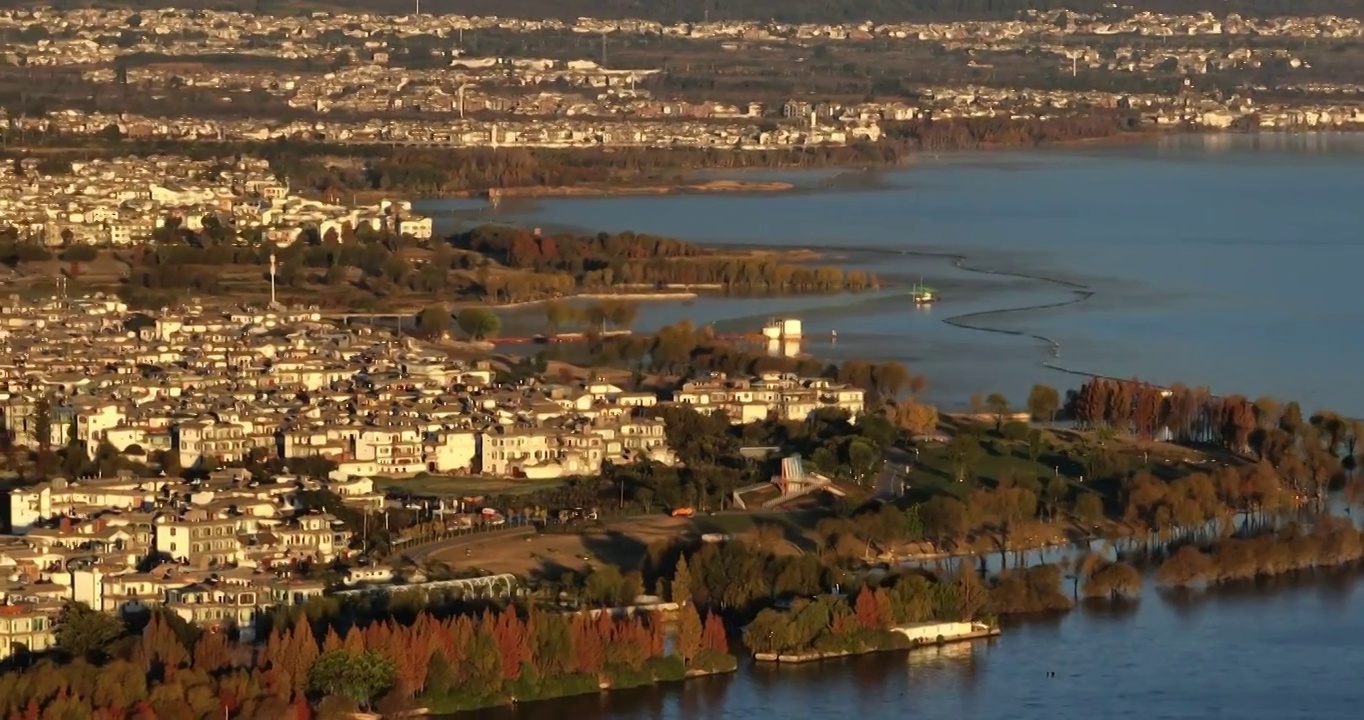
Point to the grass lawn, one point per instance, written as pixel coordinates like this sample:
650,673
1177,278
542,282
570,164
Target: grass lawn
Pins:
456,485
1063,451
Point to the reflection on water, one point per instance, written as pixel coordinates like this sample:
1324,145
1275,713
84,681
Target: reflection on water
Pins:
1241,652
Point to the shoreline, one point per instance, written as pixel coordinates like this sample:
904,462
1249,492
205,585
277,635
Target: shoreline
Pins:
921,644
690,184
1082,293
596,190
603,688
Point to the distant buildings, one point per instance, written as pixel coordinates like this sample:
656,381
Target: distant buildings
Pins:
124,201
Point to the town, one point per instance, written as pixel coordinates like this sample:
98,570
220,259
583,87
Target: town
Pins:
310,406
125,201
353,79
210,393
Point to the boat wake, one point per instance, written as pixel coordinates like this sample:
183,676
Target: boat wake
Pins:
973,321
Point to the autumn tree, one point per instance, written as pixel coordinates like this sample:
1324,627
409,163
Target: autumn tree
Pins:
713,636
916,418
865,608
971,594
681,584
689,640
512,642
589,648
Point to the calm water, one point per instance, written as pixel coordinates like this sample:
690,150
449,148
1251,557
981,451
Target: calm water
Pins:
1275,654
1227,261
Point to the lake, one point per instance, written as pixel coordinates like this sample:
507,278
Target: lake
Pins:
1287,651
1226,261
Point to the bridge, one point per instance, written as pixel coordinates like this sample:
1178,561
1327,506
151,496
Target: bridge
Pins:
488,586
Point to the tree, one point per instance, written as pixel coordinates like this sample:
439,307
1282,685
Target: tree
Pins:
964,451
681,585
1089,508
972,595
714,637
1044,402
689,632
82,632
998,405
478,323
866,610
434,321
916,418
865,460
1113,581
361,677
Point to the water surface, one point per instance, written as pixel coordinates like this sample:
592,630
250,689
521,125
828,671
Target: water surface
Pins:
1227,261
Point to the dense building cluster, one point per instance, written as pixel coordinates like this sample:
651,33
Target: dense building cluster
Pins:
124,201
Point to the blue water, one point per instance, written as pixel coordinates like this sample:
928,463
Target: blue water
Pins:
1257,654
1226,261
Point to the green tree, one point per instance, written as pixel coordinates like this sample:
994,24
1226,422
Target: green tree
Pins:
1044,402
606,586
82,632
74,459
360,676
865,461
478,323
998,405
965,452
434,321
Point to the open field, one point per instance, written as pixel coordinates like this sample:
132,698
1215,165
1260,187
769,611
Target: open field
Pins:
463,486
625,542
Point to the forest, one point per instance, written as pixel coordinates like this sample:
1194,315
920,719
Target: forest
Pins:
319,662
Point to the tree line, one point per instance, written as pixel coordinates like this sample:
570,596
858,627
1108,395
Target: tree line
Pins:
608,260
1309,454
1329,542
168,669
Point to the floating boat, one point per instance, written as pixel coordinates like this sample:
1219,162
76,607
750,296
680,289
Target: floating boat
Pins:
922,294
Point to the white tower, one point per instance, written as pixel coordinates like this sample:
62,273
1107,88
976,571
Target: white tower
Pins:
272,279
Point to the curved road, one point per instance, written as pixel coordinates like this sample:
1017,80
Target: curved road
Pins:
421,553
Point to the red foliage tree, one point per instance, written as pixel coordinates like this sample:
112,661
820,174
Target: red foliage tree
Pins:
512,641
714,636
589,648
212,652
865,608
657,639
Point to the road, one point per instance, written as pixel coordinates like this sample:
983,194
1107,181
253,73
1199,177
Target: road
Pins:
898,461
